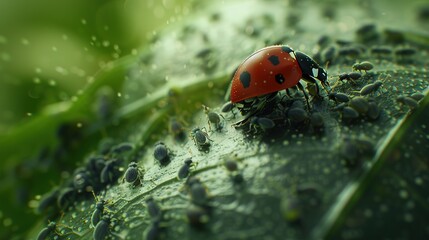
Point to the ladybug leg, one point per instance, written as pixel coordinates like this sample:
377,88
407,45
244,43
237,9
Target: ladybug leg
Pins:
305,94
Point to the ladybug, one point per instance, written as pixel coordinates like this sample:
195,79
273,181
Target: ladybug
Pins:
269,70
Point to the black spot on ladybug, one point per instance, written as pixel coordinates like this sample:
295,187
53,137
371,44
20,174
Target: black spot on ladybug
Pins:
279,78
274,60
245,79
287,49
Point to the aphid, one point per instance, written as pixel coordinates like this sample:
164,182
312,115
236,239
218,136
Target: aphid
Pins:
381,50
410,102
110,172
373,111
95,165
45,232
329,54
66,197
261,122
200,137
359,104
354,149
102,228
153,209
105,145
367,33
405,52
122,148
349,113
417,96
363,66
297,115
231,165
161,153
197,190
349,76
316,120
340,107
133,174
197,216
176,128
81,179
227,107
270,70
370,88
351,52
213,118
185,169
98,212
339,97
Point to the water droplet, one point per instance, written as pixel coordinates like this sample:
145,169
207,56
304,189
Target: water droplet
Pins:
83,21
29,114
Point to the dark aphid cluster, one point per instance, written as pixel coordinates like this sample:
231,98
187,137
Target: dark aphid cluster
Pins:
363,66
47,231
161,153
368,34
358,107
370,88
185,169
405,54
102,229
381,51
134,174
339,97
351,76
98,212
201,138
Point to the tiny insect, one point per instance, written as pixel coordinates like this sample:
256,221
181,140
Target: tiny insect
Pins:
352,76
153,209
405,52
381,50
363,66
349,113
370,88
185,169
102,228
200,137
122,148
45,232
134,174
297,115
316,120
197,217
213,118
339,97
227,107
161,153
410,102
359,104
261,123
231,165
98,212
373,111
81,179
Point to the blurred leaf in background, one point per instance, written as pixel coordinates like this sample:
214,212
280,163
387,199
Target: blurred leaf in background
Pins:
50,52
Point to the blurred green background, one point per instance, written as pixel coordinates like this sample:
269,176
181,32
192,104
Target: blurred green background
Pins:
50,50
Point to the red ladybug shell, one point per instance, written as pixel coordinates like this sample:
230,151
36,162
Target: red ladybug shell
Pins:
268,70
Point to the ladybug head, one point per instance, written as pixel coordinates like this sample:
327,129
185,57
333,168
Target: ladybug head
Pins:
311,70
